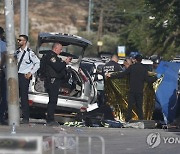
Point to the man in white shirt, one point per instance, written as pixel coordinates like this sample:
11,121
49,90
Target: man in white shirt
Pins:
28,64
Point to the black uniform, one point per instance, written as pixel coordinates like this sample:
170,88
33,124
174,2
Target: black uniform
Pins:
55,73
110,66
3,99
137,77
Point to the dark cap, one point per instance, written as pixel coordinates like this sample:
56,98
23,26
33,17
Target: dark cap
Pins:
139,58
1,30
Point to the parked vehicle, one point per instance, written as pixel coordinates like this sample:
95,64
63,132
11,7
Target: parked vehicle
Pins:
78,91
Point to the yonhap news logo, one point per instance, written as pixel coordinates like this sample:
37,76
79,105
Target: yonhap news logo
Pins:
154,139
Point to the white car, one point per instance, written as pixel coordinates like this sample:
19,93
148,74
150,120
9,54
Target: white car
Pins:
78,91
94,67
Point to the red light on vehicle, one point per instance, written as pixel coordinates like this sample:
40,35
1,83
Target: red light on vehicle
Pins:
30,102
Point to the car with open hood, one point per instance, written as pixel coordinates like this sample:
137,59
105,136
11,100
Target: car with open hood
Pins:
79,90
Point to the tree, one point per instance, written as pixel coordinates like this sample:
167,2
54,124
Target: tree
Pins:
165,25
148,26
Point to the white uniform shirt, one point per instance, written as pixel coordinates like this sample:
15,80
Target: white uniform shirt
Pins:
30,62
2,48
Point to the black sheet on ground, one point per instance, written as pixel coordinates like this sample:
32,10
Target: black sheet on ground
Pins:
103,112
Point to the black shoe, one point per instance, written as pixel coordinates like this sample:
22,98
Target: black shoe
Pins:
52,123
25,121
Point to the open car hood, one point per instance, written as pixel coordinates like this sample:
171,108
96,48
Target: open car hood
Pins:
73,46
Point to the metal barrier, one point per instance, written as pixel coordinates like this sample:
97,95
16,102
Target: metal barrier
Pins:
20,144
51,144
72,144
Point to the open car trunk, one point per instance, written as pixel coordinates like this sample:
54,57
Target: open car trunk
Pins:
77,89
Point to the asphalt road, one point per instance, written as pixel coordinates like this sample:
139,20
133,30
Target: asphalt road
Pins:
97,140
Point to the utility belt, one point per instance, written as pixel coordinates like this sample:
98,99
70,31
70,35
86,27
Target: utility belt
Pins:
56,76
22,74
50,80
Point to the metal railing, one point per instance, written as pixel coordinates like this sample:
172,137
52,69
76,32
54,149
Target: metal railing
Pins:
72,144
51,144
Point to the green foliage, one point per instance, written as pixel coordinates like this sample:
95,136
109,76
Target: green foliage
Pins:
165,25
110,43
148,26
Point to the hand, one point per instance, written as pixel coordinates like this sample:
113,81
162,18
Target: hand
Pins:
68,60
28,75
108,75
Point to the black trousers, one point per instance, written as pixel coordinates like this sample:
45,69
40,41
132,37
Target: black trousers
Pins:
137,99
53,86
3,97
23,94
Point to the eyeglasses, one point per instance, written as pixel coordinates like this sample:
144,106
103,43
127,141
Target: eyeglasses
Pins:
19,40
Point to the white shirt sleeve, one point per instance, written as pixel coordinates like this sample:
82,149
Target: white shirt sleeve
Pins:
2,46
35,61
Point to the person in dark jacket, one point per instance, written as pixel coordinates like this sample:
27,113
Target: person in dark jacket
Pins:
138,75
3,87
112,65
55,72
127,62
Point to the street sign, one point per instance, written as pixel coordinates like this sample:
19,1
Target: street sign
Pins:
121,51
99,43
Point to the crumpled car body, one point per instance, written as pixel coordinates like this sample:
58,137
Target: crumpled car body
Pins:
78,91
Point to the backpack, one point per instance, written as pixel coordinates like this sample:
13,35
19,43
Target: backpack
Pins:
42,70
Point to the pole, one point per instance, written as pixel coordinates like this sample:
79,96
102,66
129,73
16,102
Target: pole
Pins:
100,29
89,17
26,16
11,75
22,17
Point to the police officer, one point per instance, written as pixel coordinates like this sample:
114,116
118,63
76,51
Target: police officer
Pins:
127,62
3,100
112,65
55,73
28,64
137,77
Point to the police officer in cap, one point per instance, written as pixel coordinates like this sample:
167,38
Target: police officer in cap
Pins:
55,72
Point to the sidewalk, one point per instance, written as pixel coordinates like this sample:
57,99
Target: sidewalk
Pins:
37,138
